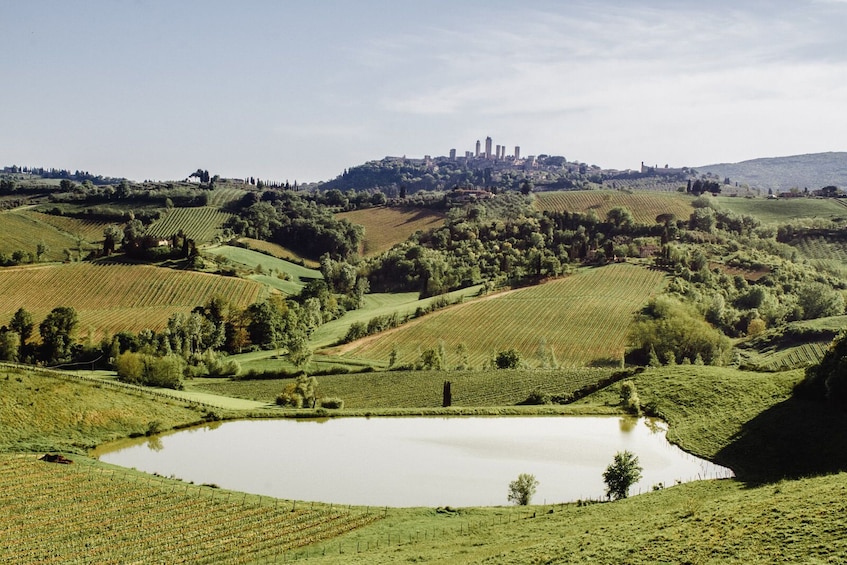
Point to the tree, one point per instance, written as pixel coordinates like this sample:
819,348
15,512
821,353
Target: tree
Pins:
41,250
619,217
522,489
10,345
510,359
621,474
57,334
110,238
22,324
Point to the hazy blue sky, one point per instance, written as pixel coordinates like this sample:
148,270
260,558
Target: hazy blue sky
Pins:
302,89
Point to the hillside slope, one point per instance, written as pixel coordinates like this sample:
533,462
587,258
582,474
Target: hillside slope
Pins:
813,170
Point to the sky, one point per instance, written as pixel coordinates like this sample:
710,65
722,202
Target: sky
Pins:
300,90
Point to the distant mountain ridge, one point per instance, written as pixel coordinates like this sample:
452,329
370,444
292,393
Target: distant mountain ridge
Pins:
813,170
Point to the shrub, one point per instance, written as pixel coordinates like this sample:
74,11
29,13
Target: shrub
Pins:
538,397
629,397
331,402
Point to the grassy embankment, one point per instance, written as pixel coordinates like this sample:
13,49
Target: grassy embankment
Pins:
745,420
276,273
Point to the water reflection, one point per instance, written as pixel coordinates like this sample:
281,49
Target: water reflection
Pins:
413,461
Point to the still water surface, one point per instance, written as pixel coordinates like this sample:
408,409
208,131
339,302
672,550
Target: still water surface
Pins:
413,461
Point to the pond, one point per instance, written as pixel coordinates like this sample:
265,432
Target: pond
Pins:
458,461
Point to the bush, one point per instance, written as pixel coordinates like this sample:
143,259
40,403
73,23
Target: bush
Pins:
538,397
629,397
331,402
143,369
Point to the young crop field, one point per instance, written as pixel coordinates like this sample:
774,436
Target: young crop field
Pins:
385,227
89,230
423,389
644,206
781,210
21,231
583,319
112,298
259,261
86,513
278,251
201,224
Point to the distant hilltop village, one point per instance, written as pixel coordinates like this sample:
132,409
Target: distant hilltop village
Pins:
491,156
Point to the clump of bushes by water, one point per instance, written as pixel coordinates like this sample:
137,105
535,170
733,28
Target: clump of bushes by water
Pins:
331,402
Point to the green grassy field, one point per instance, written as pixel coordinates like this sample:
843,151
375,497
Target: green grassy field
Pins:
40,412
422,389
644,206
781,210
254,260
583,318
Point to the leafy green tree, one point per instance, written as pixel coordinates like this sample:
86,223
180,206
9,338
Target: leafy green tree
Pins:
619,217
41,250
819,301
667,325
509,359
10,345
57,331
22,324
622,473
522,489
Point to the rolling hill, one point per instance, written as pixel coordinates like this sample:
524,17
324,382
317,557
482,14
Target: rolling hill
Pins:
582,319
813,170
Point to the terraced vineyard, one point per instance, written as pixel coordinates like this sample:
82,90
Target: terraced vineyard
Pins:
85,513
385,227
422,389
644,206
583,318
201,224
112,298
